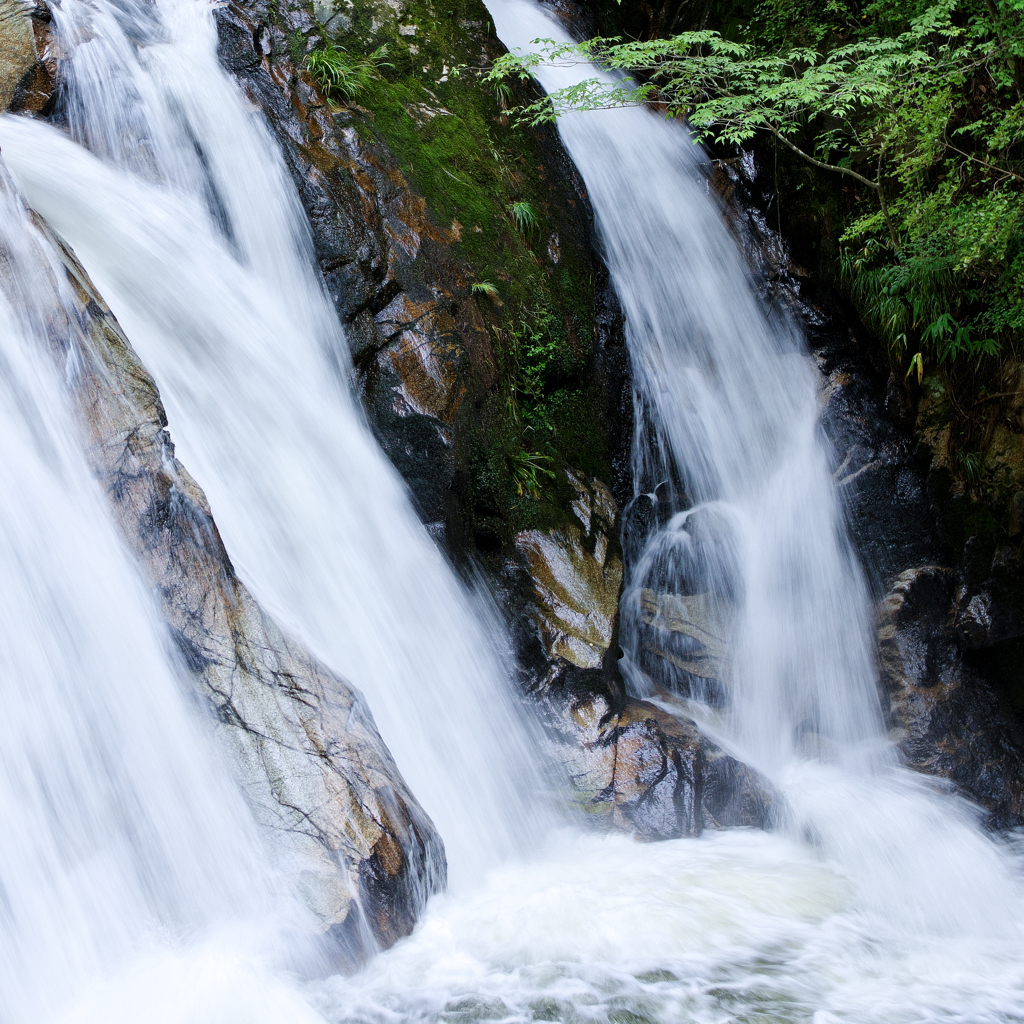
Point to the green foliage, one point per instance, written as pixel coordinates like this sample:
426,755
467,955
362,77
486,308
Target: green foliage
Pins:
456,146
526,469
524,216
916,363
296,46
343,74
969,466
486,288
918,106
541,355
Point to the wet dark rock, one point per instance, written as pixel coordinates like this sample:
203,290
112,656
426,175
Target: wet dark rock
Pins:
631,764
28,62
639,521
946,715
434,359
415,336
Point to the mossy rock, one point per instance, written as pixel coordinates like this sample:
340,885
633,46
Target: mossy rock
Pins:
510,254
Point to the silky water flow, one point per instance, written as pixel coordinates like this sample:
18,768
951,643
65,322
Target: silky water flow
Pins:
873,900
124,840
729,420
174,197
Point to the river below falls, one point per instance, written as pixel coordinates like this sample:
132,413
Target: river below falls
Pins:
736,926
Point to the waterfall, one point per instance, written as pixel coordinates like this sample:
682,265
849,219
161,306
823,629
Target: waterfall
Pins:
132,886
123,833
752,551
176,200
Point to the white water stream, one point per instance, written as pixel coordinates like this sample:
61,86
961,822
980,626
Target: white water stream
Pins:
732,398
881,902
122,833
192,231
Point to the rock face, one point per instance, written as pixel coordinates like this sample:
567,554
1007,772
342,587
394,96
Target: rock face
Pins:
632,765
28,65
576,584
944,713
304,747
452,306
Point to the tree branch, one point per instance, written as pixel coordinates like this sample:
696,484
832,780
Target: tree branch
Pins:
821,163
1011,62
978,160
876,185
881,199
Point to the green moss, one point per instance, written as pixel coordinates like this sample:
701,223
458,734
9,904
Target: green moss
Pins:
519,229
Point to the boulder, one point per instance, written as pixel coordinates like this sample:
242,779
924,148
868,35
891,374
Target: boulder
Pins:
637,768
945,716
576,575
632,766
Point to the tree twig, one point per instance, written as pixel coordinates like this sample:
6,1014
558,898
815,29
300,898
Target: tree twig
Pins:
876,185
821,163
881,199
978,160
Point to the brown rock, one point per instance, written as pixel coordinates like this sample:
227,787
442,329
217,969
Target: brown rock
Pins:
576,591
28,66
640,769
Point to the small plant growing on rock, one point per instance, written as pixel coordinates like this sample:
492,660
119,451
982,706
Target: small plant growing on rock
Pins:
525,217
527,470
968,465
339,73
488,289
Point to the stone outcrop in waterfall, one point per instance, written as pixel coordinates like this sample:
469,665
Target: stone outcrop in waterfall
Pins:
338,817
411,191
945,713
633,765
28,63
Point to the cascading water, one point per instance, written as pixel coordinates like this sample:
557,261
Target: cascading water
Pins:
123,834
188,223
887,891
189,226
727,407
